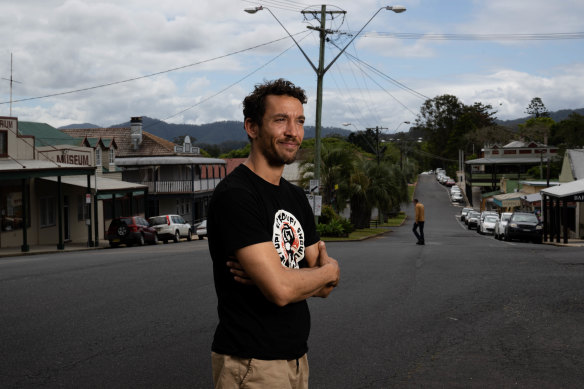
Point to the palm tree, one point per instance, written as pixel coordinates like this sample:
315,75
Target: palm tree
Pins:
346,175
337,164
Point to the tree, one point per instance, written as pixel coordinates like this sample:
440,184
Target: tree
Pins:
568,133
446,121
536,129
365,140
488,135
537,108
238,153
337,163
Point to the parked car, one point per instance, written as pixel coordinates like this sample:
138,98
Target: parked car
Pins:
450,182
472,219
464,212
201,229
488,224
482,218
524,226
130,230
457,197
171,227
499,232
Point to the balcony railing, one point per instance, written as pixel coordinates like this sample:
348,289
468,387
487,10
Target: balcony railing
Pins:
498,177
181,186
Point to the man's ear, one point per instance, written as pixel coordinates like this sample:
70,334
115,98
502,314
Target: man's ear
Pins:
251,128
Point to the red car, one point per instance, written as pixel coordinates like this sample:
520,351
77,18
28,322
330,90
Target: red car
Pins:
131,230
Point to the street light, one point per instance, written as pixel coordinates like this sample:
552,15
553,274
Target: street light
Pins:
406,122
321,69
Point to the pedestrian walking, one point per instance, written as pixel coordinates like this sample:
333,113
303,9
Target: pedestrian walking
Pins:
267,257
419,222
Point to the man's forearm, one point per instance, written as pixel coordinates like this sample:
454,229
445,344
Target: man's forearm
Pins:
300,284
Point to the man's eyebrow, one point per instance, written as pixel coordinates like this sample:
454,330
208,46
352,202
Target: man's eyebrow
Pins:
285,115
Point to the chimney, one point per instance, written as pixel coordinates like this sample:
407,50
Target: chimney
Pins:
136,131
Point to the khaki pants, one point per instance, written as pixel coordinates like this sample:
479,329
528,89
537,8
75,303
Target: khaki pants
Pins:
249,373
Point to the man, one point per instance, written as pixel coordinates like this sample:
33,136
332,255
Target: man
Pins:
267,258
419,221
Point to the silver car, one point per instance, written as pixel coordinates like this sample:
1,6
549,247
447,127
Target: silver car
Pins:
472,219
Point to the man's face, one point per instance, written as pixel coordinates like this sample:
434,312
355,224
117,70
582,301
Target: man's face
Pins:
282,130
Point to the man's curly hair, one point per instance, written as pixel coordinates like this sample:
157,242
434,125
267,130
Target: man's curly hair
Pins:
254,105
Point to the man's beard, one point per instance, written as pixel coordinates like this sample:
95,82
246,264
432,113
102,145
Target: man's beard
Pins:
277,159
270,151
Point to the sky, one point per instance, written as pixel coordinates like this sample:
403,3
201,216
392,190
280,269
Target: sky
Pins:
193,61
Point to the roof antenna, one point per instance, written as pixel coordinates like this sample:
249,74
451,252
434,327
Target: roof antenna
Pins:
11,81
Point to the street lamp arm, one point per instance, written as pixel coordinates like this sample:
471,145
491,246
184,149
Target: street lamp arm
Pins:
396,9
254,10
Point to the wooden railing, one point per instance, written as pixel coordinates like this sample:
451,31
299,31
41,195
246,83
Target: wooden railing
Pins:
181,186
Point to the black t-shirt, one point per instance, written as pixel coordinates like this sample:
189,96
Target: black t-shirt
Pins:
246,210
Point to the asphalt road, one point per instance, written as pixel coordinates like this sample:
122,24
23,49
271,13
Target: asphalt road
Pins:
462,311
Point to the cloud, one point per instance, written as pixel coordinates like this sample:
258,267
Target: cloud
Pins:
64,45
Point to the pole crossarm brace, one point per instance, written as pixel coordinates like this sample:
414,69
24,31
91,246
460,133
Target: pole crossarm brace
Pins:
355,36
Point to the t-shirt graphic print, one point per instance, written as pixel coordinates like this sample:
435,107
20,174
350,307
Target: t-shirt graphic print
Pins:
288,238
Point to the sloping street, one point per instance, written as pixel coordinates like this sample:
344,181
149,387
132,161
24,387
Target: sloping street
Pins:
464,310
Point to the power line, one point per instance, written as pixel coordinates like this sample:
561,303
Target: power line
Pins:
392,80
148,75
275,4
382,88
233,84
477,37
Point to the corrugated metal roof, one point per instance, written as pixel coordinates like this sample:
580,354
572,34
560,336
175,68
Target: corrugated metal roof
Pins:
505,160
103,184
576,163
532,198
170,160
45,135
508,196
567,189
35,164
539,183
151,144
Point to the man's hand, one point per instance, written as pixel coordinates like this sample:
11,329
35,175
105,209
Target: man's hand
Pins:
238,272
324,259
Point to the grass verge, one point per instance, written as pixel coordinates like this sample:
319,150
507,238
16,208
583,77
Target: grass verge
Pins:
369,232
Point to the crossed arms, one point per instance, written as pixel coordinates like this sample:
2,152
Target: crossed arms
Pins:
260,265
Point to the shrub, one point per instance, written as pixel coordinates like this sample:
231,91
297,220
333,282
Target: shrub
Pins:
331,224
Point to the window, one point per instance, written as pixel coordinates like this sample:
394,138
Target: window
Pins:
97,156
83,209
112,156
11,207
3,143
47,211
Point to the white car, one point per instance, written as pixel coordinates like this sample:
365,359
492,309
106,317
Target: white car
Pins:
484,214
171,227
488,224
201,229
499,232
457,197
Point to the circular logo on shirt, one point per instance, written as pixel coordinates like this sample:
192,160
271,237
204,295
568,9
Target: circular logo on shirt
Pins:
288,238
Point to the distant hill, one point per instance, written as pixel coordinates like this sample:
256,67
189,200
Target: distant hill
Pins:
229,131
557,116
213,133
82,125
